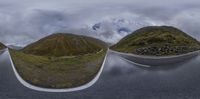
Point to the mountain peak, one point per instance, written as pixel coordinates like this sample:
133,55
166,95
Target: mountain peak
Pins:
63,44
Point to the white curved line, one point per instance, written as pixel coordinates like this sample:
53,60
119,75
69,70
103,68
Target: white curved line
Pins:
142,65
30,86
153,58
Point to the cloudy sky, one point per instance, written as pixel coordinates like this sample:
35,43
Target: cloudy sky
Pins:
25,21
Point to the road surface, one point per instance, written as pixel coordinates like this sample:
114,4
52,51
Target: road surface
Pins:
119,80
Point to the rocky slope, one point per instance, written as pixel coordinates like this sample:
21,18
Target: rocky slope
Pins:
157,41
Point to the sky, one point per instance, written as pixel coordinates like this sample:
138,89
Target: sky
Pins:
25,21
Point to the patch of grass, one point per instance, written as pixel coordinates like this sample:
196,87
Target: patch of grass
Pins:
150,41
57,72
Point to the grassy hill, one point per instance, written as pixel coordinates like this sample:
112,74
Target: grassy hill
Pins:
157,41
2,46
57,72
64,45
60,60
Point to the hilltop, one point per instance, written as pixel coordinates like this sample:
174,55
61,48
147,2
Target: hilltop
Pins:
62,44
60,60
157,41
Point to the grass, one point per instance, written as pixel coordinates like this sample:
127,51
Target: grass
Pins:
57,72
63,44
150,41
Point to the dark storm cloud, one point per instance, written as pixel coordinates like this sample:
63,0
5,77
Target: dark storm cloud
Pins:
24,21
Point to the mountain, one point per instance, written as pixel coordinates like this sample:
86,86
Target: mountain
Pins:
15,47
62,44
157,41
2,46
60,60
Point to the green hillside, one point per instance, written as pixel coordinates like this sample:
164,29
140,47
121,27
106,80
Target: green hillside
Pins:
60,60
64,45
57,72
157,41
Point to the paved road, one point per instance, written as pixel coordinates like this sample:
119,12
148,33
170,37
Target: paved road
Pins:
119,80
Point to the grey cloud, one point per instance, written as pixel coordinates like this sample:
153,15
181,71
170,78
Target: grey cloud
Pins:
22,22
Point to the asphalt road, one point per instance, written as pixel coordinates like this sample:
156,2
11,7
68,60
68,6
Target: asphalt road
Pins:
119,80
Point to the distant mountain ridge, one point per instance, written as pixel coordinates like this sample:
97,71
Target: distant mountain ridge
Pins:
64,44
15,47
157,41
2,46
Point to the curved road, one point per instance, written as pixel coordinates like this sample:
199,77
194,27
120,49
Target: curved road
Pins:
148,61
119,80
